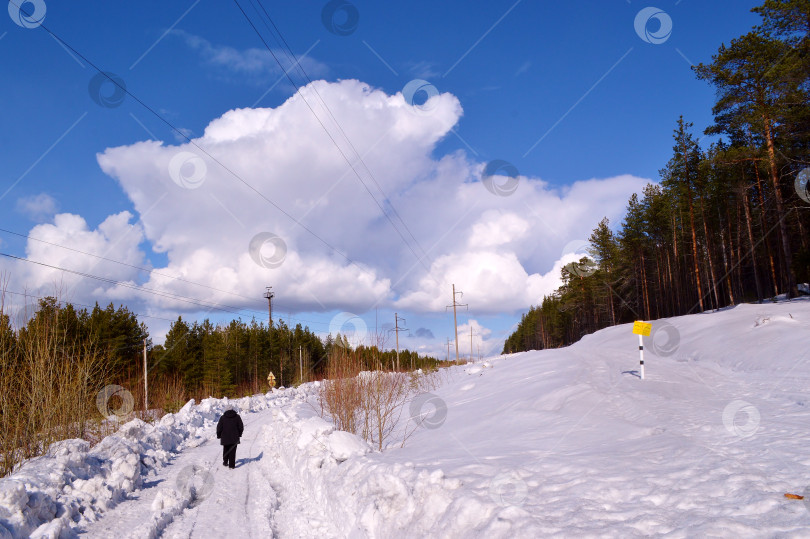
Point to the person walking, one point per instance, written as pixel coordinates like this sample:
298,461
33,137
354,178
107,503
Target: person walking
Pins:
229,430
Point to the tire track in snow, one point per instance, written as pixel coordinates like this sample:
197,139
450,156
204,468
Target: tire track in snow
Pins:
254,426
194,524
247,492
231,488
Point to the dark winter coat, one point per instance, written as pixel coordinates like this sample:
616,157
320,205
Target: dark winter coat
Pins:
230,428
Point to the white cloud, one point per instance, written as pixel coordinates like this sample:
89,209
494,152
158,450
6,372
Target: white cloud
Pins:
498,229
492,282
254,62
474,334
503,251
115,238
38,208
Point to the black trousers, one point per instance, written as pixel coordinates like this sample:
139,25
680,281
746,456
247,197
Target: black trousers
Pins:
229,455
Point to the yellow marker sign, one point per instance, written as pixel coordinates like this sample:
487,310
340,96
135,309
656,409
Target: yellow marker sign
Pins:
642,328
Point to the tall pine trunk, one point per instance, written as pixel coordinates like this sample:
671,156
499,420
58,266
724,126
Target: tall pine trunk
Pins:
765,230
709,252
751,240
792,290
696,268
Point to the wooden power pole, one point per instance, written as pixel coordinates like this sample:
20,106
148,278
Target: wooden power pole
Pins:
455,319
397,329
269,294
145,383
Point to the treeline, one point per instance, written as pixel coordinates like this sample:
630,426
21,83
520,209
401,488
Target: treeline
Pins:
227,359
114,333
726,224
235,359
201,357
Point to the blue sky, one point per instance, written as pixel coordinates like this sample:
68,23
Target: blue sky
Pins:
566,92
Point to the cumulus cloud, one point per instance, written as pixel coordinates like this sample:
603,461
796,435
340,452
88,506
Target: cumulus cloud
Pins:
66,244
265,198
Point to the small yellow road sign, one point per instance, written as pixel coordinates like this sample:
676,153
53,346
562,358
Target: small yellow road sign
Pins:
642,328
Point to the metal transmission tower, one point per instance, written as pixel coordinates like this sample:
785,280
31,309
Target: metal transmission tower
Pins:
455,320
269,295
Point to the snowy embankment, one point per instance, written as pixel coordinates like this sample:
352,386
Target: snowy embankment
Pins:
571,442
558,443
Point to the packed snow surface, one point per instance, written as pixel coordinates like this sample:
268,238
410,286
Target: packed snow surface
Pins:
557,443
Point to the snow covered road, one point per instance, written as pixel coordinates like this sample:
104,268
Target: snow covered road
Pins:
220,500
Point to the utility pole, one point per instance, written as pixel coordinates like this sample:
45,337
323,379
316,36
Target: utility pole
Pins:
145,383
397,329
300,366
448,348
455,319
396,326
269,294
471,344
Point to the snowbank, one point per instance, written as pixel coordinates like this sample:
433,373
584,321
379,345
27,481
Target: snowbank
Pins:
74,484
331,483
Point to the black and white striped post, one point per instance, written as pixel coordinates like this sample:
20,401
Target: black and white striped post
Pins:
642,329
641,354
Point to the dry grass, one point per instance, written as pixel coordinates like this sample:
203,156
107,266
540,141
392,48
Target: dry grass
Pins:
339,396
47,388
370,404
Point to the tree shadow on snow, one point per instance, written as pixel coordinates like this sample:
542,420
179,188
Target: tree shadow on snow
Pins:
634,373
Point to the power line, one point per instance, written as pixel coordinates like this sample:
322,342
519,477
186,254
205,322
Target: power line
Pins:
178,297
147,270
123,88
151,271
340,150
27,295
185,137
294,61
193,301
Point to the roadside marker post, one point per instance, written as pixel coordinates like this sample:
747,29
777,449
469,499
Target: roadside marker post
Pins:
642,329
